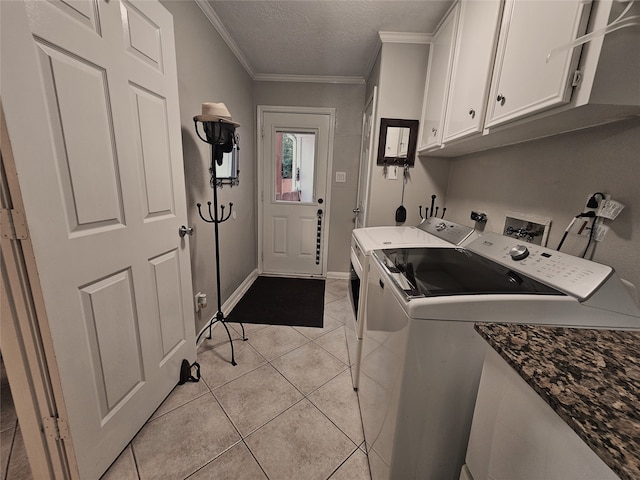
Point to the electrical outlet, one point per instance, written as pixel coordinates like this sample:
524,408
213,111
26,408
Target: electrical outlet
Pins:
600,232
479,217
341,177
197,297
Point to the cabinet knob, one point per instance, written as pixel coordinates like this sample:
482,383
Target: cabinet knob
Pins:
501,99
472,112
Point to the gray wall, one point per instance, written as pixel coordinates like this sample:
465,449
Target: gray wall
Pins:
400,77
209,72
348,100
554,177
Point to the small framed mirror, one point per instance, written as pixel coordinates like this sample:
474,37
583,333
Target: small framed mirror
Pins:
228,172
397,142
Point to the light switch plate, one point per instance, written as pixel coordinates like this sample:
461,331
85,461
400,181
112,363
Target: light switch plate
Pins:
341,177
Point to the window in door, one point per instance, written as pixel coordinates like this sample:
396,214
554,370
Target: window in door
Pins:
294,166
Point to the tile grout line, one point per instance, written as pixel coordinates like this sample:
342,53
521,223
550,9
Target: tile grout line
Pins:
242,438
13,443
135,459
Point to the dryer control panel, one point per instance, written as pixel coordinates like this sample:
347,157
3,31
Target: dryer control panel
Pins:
573,275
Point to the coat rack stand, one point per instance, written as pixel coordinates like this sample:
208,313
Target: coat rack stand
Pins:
216,220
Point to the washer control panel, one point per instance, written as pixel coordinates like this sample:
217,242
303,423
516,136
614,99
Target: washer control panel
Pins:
573,275
452,232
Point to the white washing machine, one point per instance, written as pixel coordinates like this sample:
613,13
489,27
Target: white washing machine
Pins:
422,359
431,232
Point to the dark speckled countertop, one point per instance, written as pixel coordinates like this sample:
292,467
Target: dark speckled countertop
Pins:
591,379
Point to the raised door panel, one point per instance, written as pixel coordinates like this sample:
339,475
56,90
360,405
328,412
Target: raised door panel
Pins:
154,155
307,236
167,293
437,83
84,12
143,38
525,79
111,322
472,65
84,147
280,231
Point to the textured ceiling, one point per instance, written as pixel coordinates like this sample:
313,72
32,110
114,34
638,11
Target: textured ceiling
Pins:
319,37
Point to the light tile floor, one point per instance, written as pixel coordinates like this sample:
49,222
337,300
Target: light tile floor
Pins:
286,411
14,464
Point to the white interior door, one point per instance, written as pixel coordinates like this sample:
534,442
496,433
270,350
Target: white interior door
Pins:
90,95
368,129
295,152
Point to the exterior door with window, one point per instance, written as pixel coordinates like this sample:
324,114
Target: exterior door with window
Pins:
295,153
91,101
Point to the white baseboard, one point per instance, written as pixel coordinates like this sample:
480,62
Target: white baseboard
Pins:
338,275
232,301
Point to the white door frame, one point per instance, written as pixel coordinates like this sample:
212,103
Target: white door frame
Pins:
27,347
262,109
366,164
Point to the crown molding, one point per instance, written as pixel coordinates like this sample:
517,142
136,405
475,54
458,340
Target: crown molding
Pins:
395,37
261,77
405,37
217,24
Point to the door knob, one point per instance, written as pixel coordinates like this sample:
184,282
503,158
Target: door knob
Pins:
182,231
357,210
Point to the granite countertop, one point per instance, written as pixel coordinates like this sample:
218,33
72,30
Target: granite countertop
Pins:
591,379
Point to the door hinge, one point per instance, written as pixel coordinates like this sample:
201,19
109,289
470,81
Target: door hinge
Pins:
577,78
56,428
13,224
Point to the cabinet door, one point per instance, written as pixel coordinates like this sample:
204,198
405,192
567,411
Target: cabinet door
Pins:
437,82
472,65
524,81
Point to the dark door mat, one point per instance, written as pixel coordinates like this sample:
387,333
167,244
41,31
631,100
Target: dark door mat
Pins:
298,302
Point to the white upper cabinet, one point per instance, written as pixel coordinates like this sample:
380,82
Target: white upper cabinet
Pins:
437,85
525,81
475,47
509,71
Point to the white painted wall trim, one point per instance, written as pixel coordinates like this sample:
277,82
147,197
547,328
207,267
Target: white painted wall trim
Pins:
231,302
337,275
405,37
228,39
309,79
226,36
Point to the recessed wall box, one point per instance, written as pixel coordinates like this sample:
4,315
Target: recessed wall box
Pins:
529,228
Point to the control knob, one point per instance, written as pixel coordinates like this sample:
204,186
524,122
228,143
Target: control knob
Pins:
519,252
440,226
